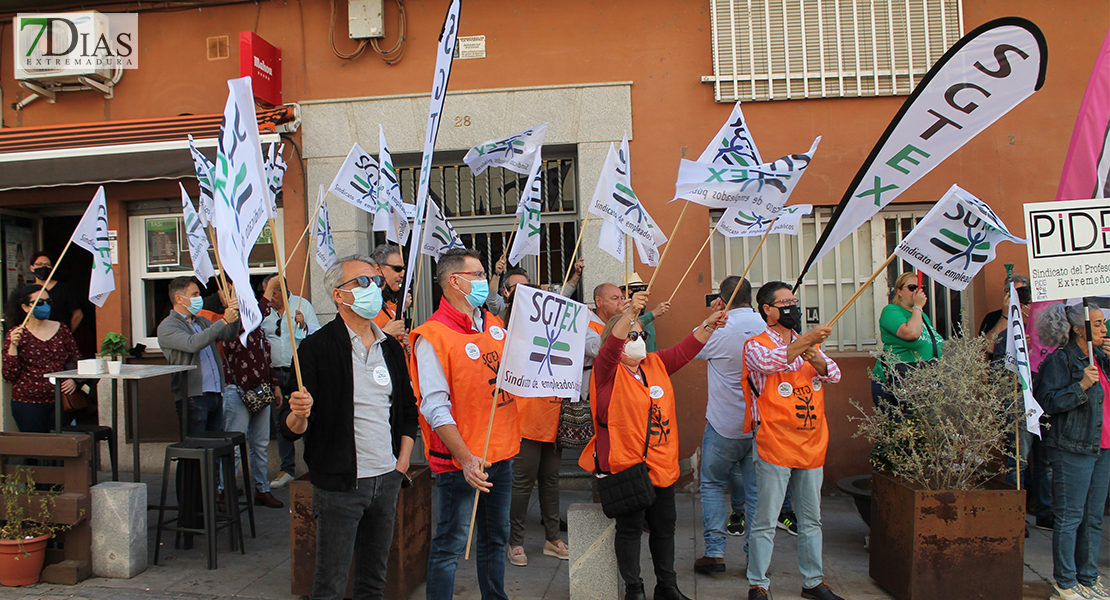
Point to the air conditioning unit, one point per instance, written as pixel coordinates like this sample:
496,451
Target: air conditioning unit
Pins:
62,47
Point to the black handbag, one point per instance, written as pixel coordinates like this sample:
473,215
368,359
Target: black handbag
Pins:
258,398
630,490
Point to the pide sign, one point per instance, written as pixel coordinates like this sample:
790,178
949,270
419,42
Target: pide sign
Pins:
261,61
1069,248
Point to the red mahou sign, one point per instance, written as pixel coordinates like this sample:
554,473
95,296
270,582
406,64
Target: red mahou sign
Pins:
262,61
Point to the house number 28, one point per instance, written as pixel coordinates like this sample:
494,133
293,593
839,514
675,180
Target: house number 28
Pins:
462,121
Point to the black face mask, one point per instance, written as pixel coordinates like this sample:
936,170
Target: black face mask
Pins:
41,272
790,317
1025,295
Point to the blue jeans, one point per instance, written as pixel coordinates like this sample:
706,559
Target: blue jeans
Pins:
720,458
256,426
354,524
1036,476
205,413
1080,483
454,502
32,417
805,484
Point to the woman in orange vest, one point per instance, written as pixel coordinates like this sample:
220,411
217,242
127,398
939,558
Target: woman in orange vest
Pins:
632,396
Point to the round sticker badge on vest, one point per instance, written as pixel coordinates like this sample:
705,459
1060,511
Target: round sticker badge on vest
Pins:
816,384
381,375
497,333
785,389
656,392
472,351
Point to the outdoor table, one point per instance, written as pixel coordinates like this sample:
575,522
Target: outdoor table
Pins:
130,373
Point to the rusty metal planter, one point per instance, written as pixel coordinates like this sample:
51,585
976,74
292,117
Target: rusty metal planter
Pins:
951,544
408,555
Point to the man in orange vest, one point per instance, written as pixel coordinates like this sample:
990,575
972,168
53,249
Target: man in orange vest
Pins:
457,354
784,377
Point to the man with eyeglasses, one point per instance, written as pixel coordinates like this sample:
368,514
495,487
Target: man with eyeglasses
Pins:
457,353
358,417
276,328
388,257
784,377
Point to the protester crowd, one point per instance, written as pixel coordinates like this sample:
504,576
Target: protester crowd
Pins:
369,386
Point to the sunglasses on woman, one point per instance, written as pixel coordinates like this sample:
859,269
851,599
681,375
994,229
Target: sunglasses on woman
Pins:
41,302
638,335
912,287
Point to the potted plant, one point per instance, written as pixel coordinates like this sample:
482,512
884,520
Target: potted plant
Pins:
113,348
938,509
26,528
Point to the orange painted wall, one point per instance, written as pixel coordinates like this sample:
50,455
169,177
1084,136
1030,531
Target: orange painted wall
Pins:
663,47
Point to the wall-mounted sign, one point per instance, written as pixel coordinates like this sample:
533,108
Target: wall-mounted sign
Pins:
261,60
163,242
470,46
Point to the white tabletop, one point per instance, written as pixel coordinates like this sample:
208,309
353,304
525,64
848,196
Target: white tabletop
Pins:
126,372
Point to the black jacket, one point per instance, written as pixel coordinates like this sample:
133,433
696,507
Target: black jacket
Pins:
329,441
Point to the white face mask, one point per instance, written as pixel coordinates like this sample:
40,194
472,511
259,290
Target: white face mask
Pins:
636,350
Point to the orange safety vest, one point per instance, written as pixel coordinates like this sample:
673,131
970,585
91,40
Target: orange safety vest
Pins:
788,415
539,418
385,315
629,409
597,327
470,362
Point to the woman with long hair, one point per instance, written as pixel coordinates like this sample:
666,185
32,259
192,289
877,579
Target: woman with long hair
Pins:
1074,393
632,396
906,331
30,352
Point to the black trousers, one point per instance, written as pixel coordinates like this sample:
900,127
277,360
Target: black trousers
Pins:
661,517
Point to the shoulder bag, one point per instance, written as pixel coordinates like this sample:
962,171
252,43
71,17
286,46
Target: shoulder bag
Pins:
630,490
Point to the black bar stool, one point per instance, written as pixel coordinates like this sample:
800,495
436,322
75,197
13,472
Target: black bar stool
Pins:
239,439
99,433
209,454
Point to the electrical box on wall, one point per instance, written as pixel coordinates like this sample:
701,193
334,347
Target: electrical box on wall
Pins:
364,19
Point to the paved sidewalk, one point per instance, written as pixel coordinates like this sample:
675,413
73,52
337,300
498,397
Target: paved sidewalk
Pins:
263,572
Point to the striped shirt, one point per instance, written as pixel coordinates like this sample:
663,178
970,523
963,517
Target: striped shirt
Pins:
763,361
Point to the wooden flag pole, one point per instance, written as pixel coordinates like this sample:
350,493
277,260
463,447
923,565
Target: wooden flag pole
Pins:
221,279
751,261
285,295
1017,437
38,295
303,233
866,285
627,252
692,263
670,242
481,467
574,255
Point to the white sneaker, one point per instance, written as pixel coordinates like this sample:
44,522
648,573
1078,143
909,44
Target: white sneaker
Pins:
282,480
1098,591
1076,593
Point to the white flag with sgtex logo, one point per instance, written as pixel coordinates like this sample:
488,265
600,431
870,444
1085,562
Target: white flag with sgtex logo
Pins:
321,231
92,235
439,236
762,189
1017,360
614,200
357,180
204,169
733,144
526,240
275,174
517,153
955,239
390,214
198,240
736,222
543,354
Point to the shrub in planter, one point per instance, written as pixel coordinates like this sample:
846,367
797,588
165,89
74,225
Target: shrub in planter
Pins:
937,512
26,528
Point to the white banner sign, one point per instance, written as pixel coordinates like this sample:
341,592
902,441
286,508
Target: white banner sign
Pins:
737,223
516,153
957,237
357,180
1017,360
321,230
92,235
611,240
1069,248
546,343
615,201
204,169
198,240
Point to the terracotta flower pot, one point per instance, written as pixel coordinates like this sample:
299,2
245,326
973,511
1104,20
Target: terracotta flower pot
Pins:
21,560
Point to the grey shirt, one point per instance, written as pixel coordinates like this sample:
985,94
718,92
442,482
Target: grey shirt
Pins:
372,388
182,345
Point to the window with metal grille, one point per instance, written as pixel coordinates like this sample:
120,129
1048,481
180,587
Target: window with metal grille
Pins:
788,49
482,210
832,281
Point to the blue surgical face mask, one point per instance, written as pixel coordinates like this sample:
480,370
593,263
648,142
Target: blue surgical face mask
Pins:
368,301
195,304
479,291
41,312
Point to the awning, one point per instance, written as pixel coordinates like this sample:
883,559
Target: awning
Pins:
117,151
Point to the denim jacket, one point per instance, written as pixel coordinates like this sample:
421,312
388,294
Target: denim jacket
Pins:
1074,414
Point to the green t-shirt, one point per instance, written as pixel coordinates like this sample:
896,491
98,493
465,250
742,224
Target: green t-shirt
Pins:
893,317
